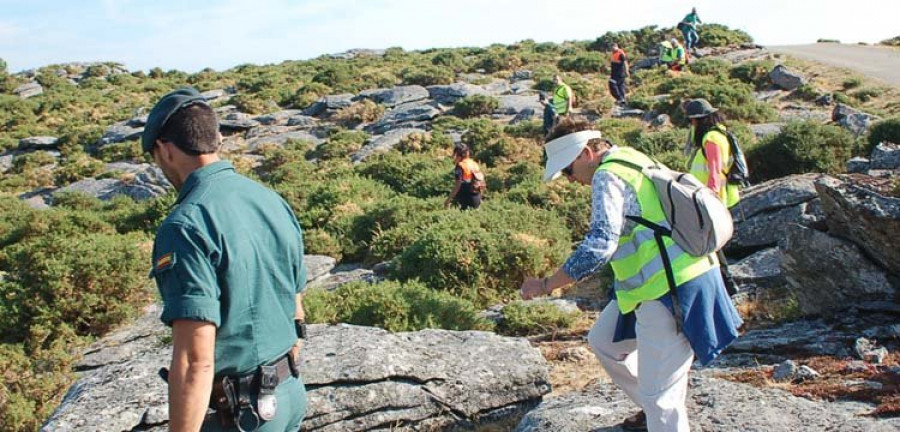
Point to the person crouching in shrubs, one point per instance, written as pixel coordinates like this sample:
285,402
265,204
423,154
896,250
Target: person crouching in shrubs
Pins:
469,180
641,317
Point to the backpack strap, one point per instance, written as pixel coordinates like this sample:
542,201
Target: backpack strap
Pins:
659,232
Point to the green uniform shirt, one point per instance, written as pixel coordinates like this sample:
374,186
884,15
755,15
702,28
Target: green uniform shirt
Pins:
231,253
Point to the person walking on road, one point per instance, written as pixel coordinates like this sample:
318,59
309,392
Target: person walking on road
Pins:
636,337
618,74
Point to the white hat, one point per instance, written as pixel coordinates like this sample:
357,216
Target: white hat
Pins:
674,41
562,151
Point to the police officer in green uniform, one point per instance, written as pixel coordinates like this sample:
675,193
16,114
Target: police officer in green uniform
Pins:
228,262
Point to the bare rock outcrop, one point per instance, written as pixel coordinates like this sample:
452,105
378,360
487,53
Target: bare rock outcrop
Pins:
357,378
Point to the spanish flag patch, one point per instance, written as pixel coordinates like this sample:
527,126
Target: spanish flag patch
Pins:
164,261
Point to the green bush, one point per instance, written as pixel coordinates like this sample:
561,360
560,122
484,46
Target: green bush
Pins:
887,130
393,306
711,66
867,93
852,83
319,242
755,72
497,61
807,92
340,144
427,75
533,318
717,35
733,98
87,282
801,147
424,143
449,59
249,103
484,255
586,63
619,130
475,105
533,129
418,175
366,111
374,230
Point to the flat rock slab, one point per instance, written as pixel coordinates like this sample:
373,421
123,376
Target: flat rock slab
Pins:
357,378
383,143
714,404
392,97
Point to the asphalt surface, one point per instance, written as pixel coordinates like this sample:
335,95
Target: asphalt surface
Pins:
879,62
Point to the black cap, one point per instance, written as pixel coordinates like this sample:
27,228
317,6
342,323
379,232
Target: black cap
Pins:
168,105
697,108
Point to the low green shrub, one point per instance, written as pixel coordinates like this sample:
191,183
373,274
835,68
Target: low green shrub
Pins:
852,83
807,92
475,105
735,99
358,113
484,255
866,94
416,174
534,318
711,66
754,72
533,129
887,130
393,306
427,75
124,151
341,143
718,35
317,241
801,147
496,61
585,63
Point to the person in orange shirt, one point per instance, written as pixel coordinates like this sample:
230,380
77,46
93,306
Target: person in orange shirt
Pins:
469,180
619,73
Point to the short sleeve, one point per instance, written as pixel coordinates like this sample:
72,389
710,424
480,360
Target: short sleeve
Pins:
185,274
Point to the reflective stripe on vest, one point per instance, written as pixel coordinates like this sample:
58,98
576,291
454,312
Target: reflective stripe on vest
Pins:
637,263
561,99
700,166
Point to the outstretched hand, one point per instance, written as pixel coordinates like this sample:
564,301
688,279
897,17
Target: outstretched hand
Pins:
532,288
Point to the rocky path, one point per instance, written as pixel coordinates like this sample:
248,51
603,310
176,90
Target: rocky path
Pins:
878,62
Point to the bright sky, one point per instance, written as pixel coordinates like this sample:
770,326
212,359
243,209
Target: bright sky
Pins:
192,34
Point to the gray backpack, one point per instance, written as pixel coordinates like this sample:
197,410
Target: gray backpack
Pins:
700,223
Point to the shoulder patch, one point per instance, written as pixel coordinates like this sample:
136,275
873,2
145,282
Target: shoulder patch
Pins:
164,262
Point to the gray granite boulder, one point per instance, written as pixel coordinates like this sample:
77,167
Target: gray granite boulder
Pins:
763,130
383,143
138,181
343,274
775,194
858,165
714,404
213,95
318,266
38,143
28,90
785,78
302,121
761,270
405,115
6,161
279,118
645,63
520,87
278,136
237,121
357,379
496,87
449,94
521,75
865,217
886,156
828,274
852,119
329,103
624,111
120,132
515,104
392,97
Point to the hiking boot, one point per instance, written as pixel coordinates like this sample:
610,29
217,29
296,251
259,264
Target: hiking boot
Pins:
635,423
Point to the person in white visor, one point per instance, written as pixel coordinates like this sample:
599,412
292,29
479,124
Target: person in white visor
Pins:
647,337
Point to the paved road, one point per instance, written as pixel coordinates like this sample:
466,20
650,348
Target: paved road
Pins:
878,62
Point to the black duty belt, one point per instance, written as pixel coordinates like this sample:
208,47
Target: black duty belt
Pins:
231,395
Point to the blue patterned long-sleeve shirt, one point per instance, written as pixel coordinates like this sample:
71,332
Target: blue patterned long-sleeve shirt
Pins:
611,200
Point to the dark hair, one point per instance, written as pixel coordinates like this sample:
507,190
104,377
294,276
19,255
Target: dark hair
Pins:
461,150
572,124
704,124
194,129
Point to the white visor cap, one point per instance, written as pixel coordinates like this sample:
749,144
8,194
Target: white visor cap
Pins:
562,151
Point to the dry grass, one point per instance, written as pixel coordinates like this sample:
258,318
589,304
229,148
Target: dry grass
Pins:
837,383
